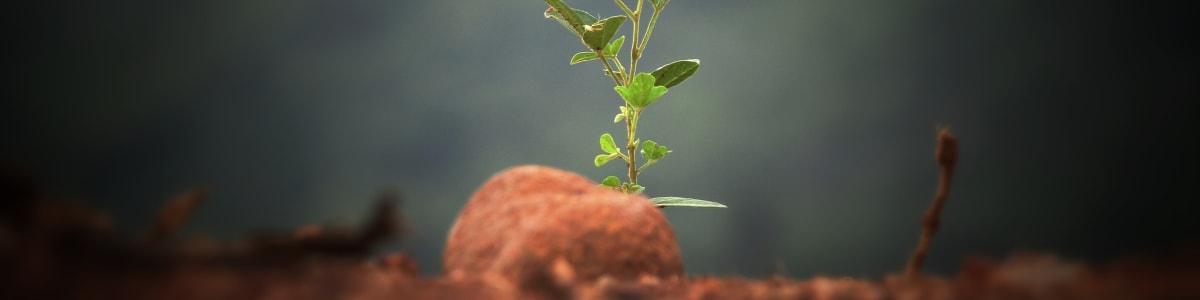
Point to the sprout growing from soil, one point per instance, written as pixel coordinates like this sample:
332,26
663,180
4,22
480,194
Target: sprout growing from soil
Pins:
639,90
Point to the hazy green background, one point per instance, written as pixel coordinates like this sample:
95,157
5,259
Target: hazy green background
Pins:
813,120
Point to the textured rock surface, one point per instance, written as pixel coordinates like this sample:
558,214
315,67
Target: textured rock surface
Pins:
524,218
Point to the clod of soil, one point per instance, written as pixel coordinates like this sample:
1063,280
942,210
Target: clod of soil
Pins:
536,223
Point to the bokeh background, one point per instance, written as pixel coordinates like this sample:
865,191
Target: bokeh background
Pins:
813,120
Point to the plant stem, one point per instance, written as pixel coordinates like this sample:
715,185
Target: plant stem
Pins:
646,164
649,29
634,51
609,68
620,68
625,8
631,142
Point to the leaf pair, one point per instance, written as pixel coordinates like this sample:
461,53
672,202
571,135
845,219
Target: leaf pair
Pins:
595,33
572,19
615,183
610,50
653,151
641,91
647,88
609,147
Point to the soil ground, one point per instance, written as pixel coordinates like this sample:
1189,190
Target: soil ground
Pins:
51,249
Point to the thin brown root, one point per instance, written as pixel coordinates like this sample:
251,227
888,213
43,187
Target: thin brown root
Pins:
946,155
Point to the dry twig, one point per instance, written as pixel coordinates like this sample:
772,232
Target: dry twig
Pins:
947,156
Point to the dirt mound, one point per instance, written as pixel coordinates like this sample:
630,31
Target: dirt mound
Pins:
526,218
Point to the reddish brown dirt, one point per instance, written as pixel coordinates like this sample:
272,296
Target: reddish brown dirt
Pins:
526,218
52,249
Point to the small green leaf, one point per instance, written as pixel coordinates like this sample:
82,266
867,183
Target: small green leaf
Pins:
607,144
598,34
688,202
636,189
604,158
572,19
611,181
615,47
676,72
648,147
654,151
618,118
582,57
641,92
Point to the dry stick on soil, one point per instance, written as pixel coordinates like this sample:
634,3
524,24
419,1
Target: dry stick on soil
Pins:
946,155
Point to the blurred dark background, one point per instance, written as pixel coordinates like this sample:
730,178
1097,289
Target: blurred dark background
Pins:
813,120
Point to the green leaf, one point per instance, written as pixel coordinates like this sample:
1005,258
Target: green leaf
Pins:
598,34
615,47
607,144
572,19
604,158
648,148
636,189
585,17
676,72
641,91
618,118
582,57
654,151
611,181
688,202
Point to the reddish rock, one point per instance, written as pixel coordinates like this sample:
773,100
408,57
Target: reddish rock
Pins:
524,218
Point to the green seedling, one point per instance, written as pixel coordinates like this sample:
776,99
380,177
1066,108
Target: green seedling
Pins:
639,90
